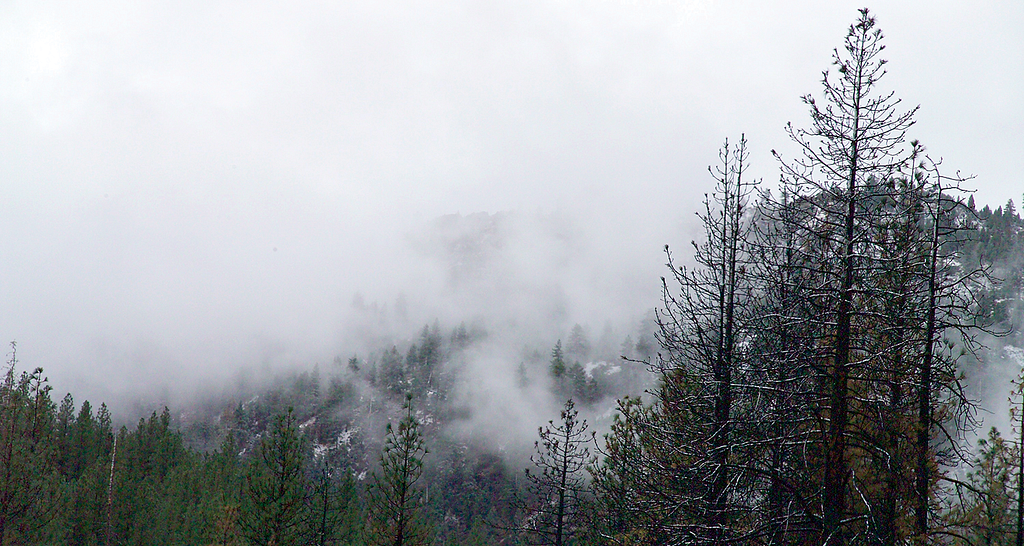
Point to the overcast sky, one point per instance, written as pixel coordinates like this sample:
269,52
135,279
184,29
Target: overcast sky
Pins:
187,185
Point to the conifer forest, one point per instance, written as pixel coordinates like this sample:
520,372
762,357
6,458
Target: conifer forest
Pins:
810,377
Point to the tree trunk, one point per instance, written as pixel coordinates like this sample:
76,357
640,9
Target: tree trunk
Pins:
922,484
560,516
732,209
836,468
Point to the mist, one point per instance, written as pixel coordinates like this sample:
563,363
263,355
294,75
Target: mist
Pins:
199,192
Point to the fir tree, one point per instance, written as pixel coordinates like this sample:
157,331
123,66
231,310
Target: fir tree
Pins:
557,366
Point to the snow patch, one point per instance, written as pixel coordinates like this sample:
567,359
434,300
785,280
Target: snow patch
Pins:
424,418
590,367
1015,353
345,438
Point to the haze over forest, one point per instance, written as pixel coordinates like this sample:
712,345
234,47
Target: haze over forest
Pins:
157,156
323,269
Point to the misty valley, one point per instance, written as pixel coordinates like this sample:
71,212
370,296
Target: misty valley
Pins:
829,364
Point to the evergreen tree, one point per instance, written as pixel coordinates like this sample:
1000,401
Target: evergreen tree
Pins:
225,527
986,514
578,347
90,472
144,498
810,390
522,379
29,492
224,482
1017,425
393,374
629,483
63,431
273,503
334,513
557,366
429,358
395,503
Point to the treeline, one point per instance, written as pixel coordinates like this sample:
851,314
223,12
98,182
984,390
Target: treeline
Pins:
301,462
68,477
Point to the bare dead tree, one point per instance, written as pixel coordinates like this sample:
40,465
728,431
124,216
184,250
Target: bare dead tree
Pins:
810,390
552,511
701,326
952,320
856,140
785,369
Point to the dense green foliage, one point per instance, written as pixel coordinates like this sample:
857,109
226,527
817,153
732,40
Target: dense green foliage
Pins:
313,459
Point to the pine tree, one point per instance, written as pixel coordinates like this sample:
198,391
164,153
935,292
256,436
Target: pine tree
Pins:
877,248
1017,425
626,483
393,374
781,362
273,502
700,328
986,514
334,512
225,526
579,346
395,502
429,359
89,470
29,492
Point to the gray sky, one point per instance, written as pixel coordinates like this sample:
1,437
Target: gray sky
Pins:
190,186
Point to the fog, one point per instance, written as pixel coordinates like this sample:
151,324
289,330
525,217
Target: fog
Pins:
194,189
